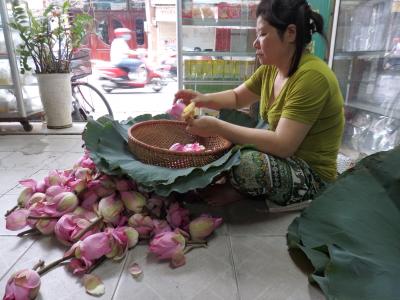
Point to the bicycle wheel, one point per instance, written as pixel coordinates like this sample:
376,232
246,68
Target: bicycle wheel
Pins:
88,102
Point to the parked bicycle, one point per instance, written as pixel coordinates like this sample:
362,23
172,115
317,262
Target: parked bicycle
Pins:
88,101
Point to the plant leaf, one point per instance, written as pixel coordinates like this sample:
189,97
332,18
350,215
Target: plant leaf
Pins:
93,285
351,231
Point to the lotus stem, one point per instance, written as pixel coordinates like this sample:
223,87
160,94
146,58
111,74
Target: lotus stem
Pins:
32,231
43,218
197,242
191,247
40,264
11,210
54,264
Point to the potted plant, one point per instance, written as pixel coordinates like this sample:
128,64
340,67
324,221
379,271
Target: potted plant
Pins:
48,44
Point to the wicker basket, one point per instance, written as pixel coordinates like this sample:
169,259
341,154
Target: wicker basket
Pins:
150,141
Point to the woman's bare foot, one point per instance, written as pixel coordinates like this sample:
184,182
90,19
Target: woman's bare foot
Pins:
221,194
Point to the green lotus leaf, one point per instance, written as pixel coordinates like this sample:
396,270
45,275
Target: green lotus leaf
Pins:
351,231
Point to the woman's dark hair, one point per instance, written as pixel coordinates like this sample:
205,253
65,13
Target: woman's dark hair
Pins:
281,13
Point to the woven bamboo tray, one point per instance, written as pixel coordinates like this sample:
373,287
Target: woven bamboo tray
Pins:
149,142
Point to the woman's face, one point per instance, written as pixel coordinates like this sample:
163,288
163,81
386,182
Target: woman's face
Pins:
270,48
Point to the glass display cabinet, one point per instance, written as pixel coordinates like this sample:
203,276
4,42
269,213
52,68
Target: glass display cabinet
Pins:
366,60
19,95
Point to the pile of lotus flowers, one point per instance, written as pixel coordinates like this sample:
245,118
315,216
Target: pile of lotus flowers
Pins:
99,217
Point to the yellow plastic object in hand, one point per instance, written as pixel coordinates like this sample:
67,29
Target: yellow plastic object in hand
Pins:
189,111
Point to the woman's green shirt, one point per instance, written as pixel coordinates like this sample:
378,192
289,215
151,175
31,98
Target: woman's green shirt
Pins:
311,96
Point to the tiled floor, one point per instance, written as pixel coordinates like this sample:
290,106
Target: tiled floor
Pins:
246,259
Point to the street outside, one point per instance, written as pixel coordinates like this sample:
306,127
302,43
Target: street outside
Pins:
127,103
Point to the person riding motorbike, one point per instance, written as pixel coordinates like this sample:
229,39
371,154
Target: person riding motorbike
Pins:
120,52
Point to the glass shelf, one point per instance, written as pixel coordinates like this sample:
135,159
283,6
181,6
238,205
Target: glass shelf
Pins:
232,23
368,70
217,53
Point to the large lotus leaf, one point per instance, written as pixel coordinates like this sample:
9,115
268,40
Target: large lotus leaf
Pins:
351,232
107,142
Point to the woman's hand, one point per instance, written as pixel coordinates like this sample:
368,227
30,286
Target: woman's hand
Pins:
188,96
202,126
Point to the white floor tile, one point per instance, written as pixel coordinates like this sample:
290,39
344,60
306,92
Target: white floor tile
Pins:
204,269
9,178
63,161
12,248
250,217
25,161
265,270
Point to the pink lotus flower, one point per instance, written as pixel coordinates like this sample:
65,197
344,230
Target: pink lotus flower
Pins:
110,209
89,198
69,226
79,266
143,224
176,110
24,196
122,238
203,226
169,245
124,185
177,216
155,204
23,285
160,226
94,246
133,201
55,178
46,227
196,147
77,185
36,197
53,191
86,162
65,202
17,219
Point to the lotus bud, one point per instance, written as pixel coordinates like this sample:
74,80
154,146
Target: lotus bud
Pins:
41,186
46,226
132,235
53,191
124,185
79,266
177,216
78,185
143,224
89,198
35,198
134,201
83,173
53,178
24,196
85,213
95,246
110,209
69,226
24,284
66,202
155,204
17,219
167,244
176,110
203,226
160,226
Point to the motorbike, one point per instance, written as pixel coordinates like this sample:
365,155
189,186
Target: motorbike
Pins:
122,78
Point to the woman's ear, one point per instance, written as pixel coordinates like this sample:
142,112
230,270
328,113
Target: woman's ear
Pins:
290,33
